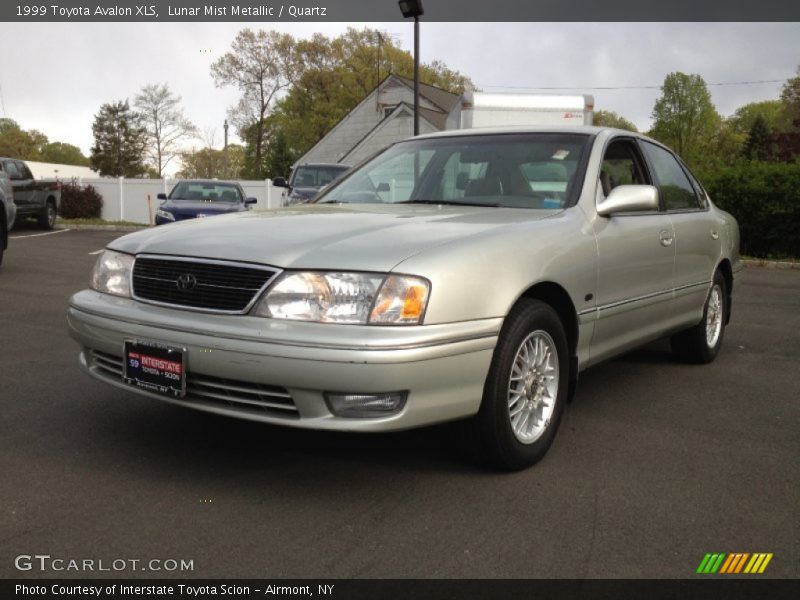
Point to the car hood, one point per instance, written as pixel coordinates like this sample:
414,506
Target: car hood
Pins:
305,192
362,238
186,207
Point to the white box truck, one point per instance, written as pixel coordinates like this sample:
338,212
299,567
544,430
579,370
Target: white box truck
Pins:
482,109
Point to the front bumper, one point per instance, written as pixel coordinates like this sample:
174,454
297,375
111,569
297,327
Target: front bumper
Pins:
442,367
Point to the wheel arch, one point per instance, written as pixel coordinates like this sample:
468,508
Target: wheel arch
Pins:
724,267
557,297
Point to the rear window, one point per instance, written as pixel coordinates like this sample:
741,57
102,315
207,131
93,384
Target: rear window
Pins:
206,192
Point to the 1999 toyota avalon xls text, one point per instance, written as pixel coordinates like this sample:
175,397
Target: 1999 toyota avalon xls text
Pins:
470,274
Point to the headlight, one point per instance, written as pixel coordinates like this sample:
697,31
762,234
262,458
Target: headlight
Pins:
112,273
353,298
165,215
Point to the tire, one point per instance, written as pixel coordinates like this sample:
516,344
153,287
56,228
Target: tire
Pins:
47,218
522,404
701,343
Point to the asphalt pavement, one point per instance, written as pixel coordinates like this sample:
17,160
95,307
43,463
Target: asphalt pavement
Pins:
656,464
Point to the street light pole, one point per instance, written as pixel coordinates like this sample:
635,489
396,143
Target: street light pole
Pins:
413,8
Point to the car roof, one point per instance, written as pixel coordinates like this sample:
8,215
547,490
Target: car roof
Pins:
208,181
584,129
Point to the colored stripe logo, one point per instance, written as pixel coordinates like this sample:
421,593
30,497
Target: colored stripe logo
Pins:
734,563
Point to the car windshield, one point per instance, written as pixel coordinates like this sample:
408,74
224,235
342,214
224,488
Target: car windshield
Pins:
205,192
316,176
535,170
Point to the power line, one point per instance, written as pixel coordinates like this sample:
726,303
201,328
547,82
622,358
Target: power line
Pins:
625,87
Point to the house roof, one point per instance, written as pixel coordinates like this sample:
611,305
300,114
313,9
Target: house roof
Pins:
427,114
438,96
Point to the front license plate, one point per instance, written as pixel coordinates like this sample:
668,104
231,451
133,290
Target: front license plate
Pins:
155,367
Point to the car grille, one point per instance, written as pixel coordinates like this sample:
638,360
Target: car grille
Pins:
207,285
242,395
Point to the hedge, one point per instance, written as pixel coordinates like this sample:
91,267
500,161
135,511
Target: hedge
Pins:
80,202
765,199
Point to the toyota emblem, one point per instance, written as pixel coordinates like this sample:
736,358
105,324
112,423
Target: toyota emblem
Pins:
186,282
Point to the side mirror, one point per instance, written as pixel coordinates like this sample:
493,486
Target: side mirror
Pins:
161,196
280,182
629,198
383,187
251,200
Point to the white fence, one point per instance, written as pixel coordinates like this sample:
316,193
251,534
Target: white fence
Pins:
136,199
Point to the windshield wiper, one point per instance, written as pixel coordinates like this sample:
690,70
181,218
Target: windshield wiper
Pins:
449,202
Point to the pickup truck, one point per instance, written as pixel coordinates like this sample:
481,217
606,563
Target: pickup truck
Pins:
33,198
8,212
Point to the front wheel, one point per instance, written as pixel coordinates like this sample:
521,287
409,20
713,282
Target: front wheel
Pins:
701,343
47,219
526,389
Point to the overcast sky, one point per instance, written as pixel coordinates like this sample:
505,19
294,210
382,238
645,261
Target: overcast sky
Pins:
55,76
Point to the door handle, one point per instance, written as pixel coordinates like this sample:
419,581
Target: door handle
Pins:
665,237
714,234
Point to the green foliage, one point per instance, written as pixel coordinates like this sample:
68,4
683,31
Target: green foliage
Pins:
337,73
608,118
758,145
765,199
277,157
685,119
322,79
742,120
119,141
80,202
64,154
790,97
16,142
210,163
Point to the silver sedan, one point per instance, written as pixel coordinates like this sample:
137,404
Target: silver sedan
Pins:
464,275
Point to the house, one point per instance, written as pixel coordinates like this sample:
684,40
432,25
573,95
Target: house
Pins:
385,116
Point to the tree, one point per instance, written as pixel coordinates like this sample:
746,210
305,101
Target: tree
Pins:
278,156
757,146
790,98
684,117
15,142
119,141
165,124
333,75
209,163
62,153
607,118
742,120
260,64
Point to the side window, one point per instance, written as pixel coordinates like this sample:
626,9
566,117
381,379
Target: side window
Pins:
698,189
677,192
621,165
24,171
11,169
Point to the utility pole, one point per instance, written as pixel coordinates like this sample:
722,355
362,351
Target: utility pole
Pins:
225,148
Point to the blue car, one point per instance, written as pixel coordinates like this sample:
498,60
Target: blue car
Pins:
193,198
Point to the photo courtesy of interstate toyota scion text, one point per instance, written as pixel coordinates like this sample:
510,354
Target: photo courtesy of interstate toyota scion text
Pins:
465,275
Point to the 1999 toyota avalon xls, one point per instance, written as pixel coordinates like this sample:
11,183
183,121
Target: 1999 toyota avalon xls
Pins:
470,274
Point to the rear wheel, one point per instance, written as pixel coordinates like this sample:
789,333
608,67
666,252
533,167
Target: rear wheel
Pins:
526,388
701,343
47,218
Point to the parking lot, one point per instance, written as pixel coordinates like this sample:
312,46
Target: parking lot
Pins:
656,463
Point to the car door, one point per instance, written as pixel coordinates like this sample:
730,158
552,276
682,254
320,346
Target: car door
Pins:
22,189
636,257
697,239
